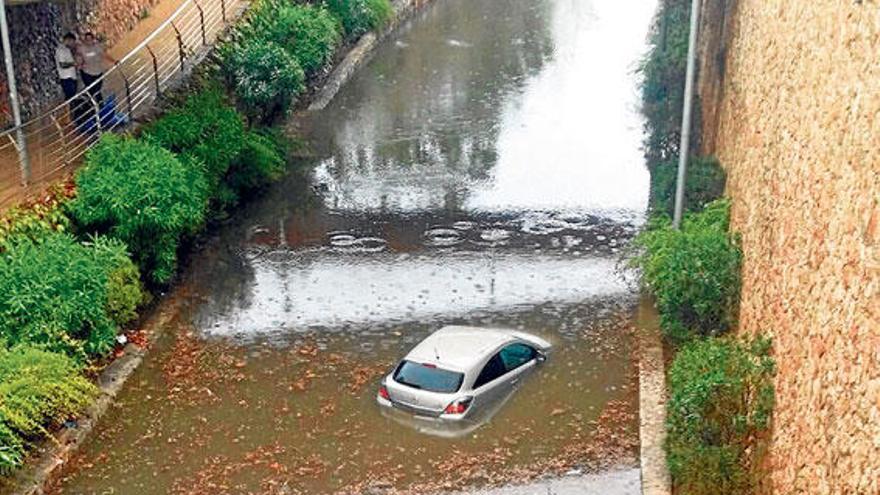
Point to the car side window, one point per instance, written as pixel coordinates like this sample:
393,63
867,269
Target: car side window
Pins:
493,369
516,355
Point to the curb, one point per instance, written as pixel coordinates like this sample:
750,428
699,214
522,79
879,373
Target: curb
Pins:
652,402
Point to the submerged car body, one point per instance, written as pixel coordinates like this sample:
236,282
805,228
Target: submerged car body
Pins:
458,377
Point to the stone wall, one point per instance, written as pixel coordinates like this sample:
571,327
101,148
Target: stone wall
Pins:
797,126
36,29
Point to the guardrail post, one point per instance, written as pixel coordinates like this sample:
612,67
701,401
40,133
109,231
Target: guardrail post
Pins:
127,93
223,9
97,112
155,70
202,19
180,46
63,135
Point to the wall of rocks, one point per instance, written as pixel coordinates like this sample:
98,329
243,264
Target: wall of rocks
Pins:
35,30
797,126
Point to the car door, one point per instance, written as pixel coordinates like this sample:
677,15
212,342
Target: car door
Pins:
501,374
518,359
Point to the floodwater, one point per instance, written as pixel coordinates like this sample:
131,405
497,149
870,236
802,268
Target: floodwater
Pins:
483,169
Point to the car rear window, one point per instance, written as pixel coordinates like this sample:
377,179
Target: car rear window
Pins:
428,377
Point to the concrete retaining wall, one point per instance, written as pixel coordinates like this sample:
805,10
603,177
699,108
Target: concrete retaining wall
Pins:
798,129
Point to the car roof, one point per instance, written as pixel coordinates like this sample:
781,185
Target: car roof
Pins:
460,348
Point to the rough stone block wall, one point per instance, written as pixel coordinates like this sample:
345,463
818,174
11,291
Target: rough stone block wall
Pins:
798,129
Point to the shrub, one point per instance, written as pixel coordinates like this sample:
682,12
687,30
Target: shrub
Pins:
721,400
36,218
55,295
265,77
704,184
308,32
694,273
359,16
125,293
261,162
37,388
142,195
204,128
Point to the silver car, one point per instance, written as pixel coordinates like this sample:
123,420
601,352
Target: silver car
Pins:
458,377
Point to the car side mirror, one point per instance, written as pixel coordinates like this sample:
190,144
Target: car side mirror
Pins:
540,357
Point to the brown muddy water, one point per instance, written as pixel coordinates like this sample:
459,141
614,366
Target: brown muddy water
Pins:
484,168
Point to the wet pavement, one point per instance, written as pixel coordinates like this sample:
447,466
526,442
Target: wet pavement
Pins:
483,169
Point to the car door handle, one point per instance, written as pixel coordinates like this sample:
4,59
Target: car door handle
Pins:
514,381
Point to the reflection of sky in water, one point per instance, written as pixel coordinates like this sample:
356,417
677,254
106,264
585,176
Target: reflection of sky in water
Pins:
562,134
297,290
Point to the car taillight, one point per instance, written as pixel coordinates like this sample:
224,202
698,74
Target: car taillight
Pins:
459,406
383,392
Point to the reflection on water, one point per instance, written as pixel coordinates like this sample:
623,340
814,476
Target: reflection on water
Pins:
483,169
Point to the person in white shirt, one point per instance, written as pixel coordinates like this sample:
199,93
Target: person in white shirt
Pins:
65,63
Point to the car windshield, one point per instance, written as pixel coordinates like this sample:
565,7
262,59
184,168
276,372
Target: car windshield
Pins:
428,377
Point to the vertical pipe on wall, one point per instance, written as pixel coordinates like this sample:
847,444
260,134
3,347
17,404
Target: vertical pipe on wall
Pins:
20,145
684,147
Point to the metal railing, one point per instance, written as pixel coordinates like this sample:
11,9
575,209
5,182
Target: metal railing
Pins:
44,147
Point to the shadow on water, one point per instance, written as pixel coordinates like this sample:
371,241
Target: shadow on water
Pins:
483,169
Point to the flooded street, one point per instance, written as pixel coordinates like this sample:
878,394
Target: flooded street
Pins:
485,168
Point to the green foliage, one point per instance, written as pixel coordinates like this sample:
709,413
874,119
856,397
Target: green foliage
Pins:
37,388
125,293
265,78
35,219
704,184
359,16
720,405
663,71
204,129
54,295
144,196
694,273
261,162
307,32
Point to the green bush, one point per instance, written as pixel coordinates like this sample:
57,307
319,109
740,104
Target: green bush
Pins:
307,32
694,273
36,218
262,161
125,293
55,296
144,196
265,78
359,16
37,389
204,128
720,404
704,184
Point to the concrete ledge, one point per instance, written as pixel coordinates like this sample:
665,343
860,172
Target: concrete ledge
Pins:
361,53
652,403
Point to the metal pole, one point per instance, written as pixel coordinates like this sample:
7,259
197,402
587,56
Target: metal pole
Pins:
684,147
13,98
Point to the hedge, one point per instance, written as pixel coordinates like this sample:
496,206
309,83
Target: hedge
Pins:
359,16
57,294
694,272
720,405
37,388
141,194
